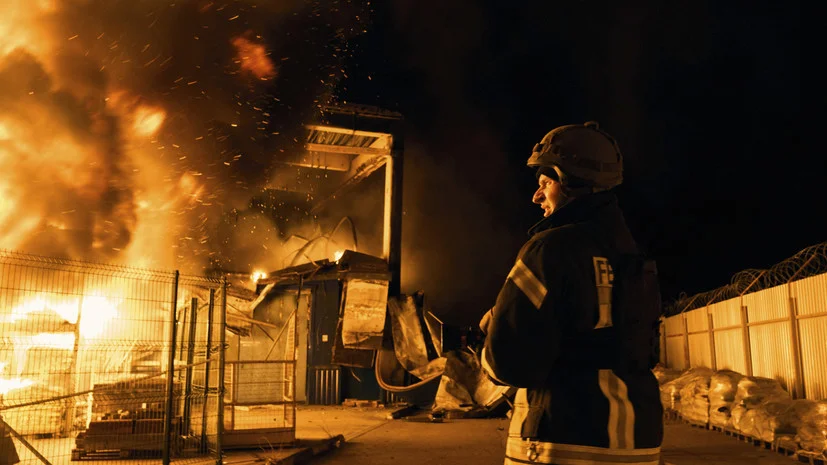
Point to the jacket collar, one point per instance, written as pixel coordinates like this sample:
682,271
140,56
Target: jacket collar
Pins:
577,210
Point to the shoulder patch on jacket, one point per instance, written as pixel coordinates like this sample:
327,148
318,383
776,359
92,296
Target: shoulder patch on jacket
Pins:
603,280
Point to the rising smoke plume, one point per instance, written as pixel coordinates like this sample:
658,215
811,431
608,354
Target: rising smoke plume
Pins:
136,132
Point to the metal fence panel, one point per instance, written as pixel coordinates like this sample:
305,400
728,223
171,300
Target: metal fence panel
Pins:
699,350
767,304
810,294
200,323
697,320
85,359
674,326
726,313
729,350
813,334
772,347
260,378
676,352
771,353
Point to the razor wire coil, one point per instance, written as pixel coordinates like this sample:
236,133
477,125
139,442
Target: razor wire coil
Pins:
809,261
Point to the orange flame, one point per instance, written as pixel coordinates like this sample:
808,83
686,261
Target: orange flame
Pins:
253,58
148,120
96,312
9,384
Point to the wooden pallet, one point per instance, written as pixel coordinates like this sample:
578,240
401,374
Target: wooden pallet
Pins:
783,445
114,454
811,457
786,447
692,423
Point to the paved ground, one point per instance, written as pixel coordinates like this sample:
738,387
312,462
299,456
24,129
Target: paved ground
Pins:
404,442
378,441
373,439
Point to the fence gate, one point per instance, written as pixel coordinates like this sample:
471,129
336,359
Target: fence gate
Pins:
108,362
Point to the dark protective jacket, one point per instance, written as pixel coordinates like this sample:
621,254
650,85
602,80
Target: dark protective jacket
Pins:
577,403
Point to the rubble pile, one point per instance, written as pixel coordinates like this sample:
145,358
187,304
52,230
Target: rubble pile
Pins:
461,389
753,406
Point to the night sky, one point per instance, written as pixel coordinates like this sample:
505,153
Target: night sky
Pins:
704,98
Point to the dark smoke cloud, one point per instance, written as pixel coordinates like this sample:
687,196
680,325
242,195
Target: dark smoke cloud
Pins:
236,81
701,98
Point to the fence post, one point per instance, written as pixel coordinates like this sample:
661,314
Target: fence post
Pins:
207,356
190,358
745,335
686,358
795,343
222,339
170,371
72,374
711,339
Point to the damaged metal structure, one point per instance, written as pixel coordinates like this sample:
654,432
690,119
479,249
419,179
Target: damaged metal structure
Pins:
343,302
358,337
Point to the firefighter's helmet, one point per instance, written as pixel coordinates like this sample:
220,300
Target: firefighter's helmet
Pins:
582,154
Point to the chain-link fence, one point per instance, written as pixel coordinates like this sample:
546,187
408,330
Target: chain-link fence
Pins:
109,362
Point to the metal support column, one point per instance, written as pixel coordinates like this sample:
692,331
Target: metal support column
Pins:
208,354
686,358
795,345
190,358
165,454
222,341
392,240
745,334
711,340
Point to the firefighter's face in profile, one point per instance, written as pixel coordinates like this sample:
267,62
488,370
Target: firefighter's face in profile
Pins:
549,195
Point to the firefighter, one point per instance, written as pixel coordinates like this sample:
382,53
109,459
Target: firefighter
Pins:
571,326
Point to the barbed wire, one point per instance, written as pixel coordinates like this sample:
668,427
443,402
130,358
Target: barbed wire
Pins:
808,262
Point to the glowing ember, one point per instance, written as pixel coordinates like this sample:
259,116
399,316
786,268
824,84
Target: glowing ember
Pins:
253,58
258,274
338,255
148,120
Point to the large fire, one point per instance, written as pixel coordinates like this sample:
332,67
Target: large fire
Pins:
95,312
129,133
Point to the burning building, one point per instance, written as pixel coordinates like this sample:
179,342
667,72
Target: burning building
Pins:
128,357
195,136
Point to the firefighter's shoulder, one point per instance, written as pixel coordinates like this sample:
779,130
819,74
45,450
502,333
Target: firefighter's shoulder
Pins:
551,241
